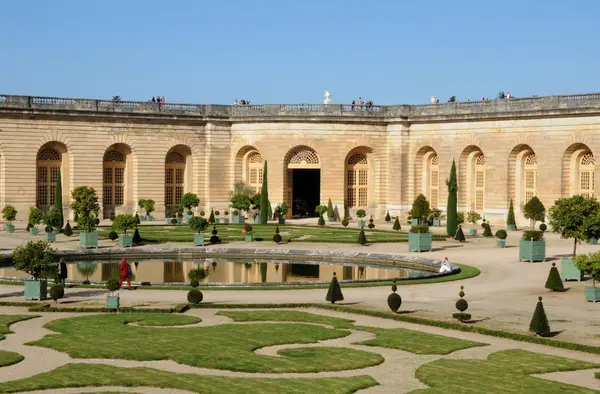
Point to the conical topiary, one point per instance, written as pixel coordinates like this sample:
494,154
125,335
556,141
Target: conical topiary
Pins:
394,300
68,231
276,236
397,224
362,238
215,238
462,305
211,218
137,218
539,321
136,237
510,219
554,282
387,217
330,212
487,232
321,221
335,291
460,236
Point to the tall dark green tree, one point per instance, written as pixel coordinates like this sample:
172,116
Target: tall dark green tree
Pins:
451,214
264,198
58,201
539,322
510,219
335,291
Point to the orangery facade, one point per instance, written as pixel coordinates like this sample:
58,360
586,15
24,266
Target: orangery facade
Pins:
377,158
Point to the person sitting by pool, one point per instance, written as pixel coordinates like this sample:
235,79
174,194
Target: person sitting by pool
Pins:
446,266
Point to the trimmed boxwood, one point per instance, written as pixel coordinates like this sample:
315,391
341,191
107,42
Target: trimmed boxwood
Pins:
419,229
533,235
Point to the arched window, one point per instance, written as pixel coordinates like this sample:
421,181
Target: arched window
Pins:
586,175
479,188
113,182
255,170
357,181
174,180
530,175
434,181
304,158
48,164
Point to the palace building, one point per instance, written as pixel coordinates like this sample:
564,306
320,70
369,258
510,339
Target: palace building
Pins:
378,158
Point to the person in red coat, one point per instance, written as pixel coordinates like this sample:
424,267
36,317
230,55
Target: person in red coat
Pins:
125,272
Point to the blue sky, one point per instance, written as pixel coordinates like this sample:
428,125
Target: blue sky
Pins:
390,52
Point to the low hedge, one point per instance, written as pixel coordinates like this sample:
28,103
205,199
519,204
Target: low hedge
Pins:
180,308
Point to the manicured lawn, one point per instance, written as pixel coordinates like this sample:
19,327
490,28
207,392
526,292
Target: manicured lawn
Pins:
229,346
503,372
233,232
89,375
7,320
9,358
296,316
415,341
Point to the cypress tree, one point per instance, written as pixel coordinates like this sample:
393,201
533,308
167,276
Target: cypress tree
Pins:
460,236
330,213
539,321
264,198
136,237
335,291
362,238
511,215
397,224
451,214
58,203
554,282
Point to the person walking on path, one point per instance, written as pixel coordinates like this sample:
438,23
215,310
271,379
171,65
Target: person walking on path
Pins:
62,271
125,270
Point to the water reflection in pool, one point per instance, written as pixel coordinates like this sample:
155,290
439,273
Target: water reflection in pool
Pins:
223,271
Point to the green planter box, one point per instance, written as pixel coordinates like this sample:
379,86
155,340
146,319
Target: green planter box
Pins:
257,220
473,231
568,270
592,241
437,222
50,237
125,240
34,231
592,294
198,239
511,227
237,219
361,223
217,220
36,289
414,222
179,220
149,218
501,243
281,220
10,228
330,219
532,250
142,218
419,242
88,239
112,302
188,218
168,220
248,237
225,221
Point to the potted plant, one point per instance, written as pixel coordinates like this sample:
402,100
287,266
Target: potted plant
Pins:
419,239
590,265
198,224
436,216
112,299
86,208
473,217
239,202
148,207
189,201
225,220
361,214
501,238
280,211
247,229
9,213
321,210
330,212
122,223
420,210
532,246
179,211
50,219
575,217
34,258
35,218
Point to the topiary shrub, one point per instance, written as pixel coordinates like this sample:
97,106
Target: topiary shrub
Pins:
460,235
174,221
57,292
137,218
460,217
462,306
510,219
211,218
68,231
534,210
501,234
137,239
394,300
539,322
194,283
345,222
487,232
112,216
202,213
420,208
215,238
86,282
371,225
198,274
247,227
321,221
113,235
554,282
195,296
335,291
387,217
362,238
112,285
543,227
533,235
419,229
276,236
397,226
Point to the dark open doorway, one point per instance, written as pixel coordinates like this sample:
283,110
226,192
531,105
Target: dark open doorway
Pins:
306,192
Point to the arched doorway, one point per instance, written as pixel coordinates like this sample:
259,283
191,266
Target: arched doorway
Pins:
174,181
303,181
578,171
49,160
357,181
113,181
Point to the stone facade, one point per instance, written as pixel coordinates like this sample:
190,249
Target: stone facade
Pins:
504,149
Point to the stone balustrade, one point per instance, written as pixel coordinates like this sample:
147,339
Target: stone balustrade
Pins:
509,107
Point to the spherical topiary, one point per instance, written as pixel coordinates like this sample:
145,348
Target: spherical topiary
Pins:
345,222
501,234
85,282
277,237
195,296
462,305
174,221
371,225
97,221
57,292
394,300
194,283
112,285
113,235
543,227
215,238
202,213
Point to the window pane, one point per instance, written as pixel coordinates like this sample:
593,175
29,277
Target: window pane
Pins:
362,197
179,176
119,176
107,195
350,178
351,198
362,177
479,176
